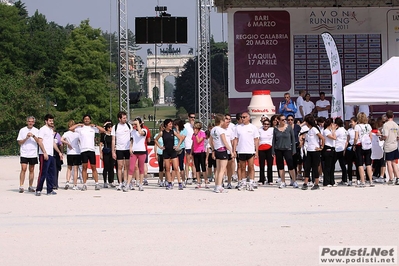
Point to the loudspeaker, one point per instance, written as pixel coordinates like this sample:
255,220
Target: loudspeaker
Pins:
161,30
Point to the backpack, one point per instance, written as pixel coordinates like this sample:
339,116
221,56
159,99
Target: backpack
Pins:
366,140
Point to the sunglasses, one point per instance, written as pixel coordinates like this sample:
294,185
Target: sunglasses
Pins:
266,124
244,116
192,117
283,119
290,119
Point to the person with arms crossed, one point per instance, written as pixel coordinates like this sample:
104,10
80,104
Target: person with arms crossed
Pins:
87,132
27,139
287,106
323,106
120,148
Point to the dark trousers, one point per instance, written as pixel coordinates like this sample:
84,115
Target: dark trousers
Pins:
199,161
329,166
265,156
47,171
350,156
341,159
109,165
311,163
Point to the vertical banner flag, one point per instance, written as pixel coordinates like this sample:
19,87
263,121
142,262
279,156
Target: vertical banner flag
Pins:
335,65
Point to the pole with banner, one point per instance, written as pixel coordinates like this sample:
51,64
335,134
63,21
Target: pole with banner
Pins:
336,73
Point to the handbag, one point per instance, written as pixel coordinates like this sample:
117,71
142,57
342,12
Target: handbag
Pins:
106,150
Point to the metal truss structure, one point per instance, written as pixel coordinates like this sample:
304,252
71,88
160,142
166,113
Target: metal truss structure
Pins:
204,69
225,4
123,59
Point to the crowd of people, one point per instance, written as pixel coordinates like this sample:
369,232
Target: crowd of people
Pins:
301,138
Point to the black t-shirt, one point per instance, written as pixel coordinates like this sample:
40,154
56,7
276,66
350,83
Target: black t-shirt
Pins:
106,140
168,140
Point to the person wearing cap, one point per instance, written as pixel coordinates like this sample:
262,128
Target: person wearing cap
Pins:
323,106
287,106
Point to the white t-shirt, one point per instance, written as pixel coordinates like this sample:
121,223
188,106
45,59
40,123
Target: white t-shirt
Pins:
376,147
365,109
328,141
349,111
46,134
299,102
312,139
266,136
138,140
216,134
122,137
29,148
246,135
73,140
342,136
351,133
229,136
86,138
188,142
362,129
308,107
323,104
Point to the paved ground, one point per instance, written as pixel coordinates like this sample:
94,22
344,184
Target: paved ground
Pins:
191,227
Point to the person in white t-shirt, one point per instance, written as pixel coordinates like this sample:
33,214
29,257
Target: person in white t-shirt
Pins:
308,105
323,106
74,160
246,144
121,148
188,142
363,155
300,105
87,132
46,156
27,139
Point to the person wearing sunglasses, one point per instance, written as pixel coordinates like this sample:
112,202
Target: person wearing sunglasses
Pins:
265,152
283,148
287,106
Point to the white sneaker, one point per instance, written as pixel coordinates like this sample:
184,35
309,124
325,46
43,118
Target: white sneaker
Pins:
295,185
235,178
282,185
75,187
255,185
250,187
380,180
278,180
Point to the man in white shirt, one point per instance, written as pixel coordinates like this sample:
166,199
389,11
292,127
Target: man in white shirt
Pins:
367,109
46,156
299,104
121,147
322,106
87,132
27,139
390,133
188,142
245,145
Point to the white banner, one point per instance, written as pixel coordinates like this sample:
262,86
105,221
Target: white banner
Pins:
336,73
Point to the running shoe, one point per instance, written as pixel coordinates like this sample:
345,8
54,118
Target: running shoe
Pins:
97,187
304,186
66,186
397,181
75,187
105,185
38,193
180,186
141,188
349,183
390,182
229,186
145,182
21,190
282,185
31,189
315,187
52,193
125,189
84,187
251,187
295,185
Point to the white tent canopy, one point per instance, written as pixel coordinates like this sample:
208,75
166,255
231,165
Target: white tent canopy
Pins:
378,87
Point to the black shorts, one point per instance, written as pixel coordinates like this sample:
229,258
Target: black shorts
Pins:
229,157
245,156
393,155
30,161
74,159
188,151
89,156
211,161
221,155
122,154
169,154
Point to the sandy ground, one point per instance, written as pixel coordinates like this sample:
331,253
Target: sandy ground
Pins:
270,226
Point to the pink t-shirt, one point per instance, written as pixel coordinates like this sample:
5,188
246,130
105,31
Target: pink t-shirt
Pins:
199,147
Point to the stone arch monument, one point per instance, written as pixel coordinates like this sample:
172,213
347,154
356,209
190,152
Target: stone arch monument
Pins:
168,63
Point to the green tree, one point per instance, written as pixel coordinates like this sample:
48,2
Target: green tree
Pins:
186,94
83,85
12,40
